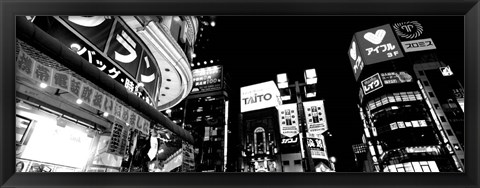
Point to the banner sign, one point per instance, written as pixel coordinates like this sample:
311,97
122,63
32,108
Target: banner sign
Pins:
259,96
378,44
207,79
317,147
355,58
315,117
418,45
396,77
79,89
59,28
372,84
288,120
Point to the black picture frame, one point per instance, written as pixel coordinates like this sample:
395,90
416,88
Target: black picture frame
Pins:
9,9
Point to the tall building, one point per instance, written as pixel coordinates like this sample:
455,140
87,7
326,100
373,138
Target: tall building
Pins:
402,132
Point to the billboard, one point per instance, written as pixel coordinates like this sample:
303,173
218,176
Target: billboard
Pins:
88,36
315,117
378,44
355,58
372,84
259,96
396,77
317,147
207,79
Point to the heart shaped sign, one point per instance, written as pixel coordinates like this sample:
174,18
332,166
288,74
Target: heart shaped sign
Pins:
375,38
353,51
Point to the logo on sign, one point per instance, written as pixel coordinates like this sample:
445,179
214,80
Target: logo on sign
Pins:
257,98
446,71
290,140
408,30
376,38
372,84
418,45
358,59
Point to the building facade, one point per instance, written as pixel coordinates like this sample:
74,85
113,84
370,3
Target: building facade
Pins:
402,132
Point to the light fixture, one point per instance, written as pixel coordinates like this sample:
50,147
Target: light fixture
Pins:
168,111
211,61
310,76
191,64
194,55
212,23
79,101
167,136
205,62
333,159
105,114
43,85
75,47
198,64
282,80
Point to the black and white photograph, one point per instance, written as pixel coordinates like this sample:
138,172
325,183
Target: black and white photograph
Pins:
240,94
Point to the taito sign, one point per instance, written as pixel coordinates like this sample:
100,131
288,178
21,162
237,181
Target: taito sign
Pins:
259,96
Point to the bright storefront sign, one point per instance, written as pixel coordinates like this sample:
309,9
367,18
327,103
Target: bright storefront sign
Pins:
207,79
288,120
372,84
396,77
259,96
317,147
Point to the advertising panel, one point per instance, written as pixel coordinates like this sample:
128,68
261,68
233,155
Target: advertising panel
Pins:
95,28
418,45
372,84
408,30
355,58
207,79
378,44
60,29
396,77
317,147
315,117
288,120
289,129
259,96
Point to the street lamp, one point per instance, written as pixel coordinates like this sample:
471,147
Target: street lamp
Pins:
310,91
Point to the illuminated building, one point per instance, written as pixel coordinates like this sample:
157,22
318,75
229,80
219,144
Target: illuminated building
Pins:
403,132
89,90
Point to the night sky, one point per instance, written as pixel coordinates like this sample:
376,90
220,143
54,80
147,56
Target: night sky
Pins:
255,49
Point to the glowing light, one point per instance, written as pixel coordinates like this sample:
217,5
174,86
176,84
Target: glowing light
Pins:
105,114
211,61
43,85
198,64
79,101
75,47
212,24
191,64
205,62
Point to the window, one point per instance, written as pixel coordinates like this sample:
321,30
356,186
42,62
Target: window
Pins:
442,118
456,146
286,163
297,162
449,132
431,94
421,73
426,83
436,106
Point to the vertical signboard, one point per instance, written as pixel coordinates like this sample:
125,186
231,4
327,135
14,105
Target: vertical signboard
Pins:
315,117
355,58
317,147
289,129
259,96
378,44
